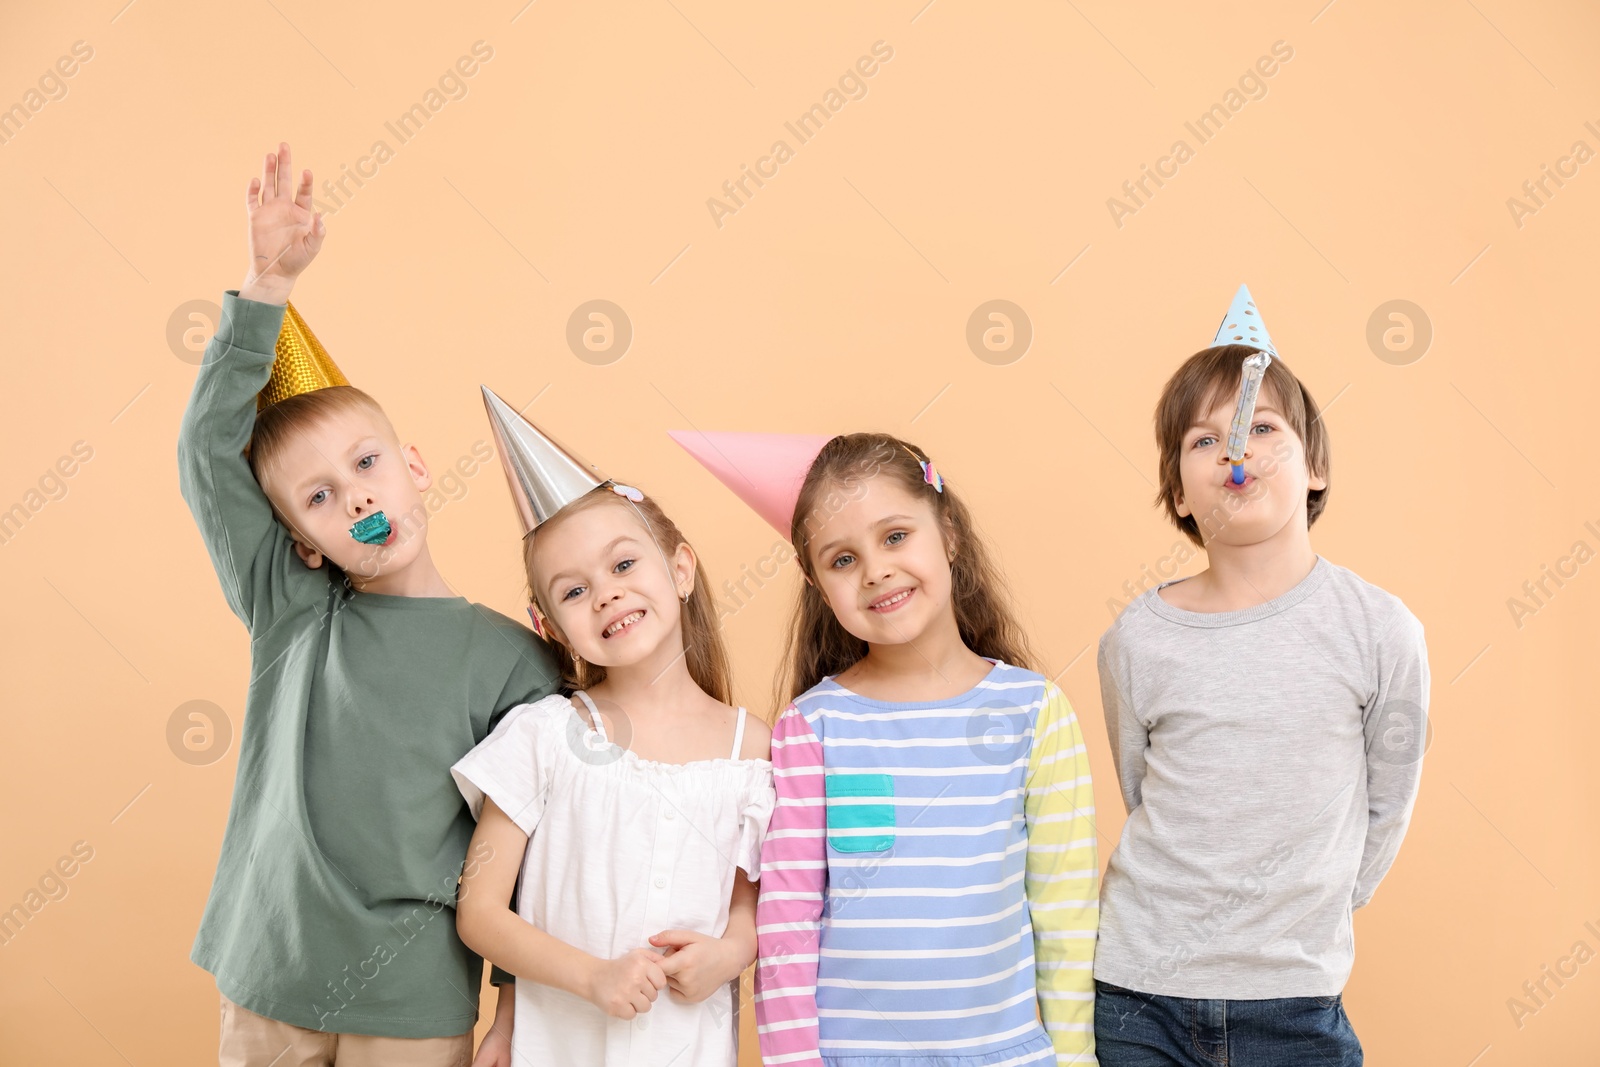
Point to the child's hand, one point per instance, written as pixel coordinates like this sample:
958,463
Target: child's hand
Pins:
627,986
699,964
496,1048
285,235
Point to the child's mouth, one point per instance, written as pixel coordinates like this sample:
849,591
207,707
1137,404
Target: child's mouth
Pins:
623,625
373,530
893,602
1249,480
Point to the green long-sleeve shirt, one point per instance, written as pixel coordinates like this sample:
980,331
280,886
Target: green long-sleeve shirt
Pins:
333,905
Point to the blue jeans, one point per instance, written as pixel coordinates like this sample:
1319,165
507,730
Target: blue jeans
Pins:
1148,1030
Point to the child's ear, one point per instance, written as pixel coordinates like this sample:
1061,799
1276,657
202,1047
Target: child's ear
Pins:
683,565
417,468
1178,505
308,555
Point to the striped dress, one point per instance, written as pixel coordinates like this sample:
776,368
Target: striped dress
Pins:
929,881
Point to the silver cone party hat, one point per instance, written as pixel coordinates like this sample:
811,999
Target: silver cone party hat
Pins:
544,476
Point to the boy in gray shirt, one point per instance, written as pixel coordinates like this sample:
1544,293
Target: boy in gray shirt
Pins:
1267,718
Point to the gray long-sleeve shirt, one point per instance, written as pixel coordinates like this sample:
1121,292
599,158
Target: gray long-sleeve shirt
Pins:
1269,759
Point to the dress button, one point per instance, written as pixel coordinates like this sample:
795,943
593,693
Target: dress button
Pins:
671,814
661,883
644,1022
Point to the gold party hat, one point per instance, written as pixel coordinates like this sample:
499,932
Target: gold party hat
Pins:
302,366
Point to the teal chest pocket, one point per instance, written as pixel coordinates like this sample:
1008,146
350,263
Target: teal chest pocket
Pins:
855,824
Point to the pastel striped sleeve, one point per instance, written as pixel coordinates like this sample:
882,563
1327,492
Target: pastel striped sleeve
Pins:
794,879
1063,879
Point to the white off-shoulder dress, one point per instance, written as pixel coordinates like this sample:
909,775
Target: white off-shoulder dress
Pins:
619,849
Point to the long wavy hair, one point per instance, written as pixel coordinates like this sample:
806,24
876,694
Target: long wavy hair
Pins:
817,645
705,654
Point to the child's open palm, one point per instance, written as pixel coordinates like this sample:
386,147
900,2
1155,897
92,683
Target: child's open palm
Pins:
285,234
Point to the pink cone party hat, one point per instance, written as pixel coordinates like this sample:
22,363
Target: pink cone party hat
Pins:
765,470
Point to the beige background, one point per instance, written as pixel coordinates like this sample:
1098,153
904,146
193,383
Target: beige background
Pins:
1376,167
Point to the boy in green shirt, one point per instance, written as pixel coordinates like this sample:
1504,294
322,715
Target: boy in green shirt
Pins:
331,922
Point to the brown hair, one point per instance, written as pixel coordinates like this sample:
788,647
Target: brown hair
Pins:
817,645
280,422
704,652
1206,379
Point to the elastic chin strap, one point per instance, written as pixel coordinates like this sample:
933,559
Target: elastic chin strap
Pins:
635,497
538,626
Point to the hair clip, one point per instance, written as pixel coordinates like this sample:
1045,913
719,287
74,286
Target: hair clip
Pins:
538,624
929,473
628,491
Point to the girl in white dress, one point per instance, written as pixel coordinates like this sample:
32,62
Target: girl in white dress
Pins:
627,809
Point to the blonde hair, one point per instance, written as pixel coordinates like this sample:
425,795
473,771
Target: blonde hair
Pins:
704,652
282,421
817,645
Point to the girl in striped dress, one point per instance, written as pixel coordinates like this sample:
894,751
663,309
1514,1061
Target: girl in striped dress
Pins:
929,878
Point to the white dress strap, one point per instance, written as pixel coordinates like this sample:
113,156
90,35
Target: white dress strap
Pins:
738,736
594,716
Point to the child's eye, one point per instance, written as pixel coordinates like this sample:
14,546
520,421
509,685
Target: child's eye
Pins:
1267,426
366,462
1204,441
570,593
318,497
622,566
896,537
844,559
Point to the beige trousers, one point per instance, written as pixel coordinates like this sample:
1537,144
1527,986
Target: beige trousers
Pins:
251,1040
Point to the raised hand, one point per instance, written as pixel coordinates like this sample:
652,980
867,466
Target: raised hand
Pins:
284,233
